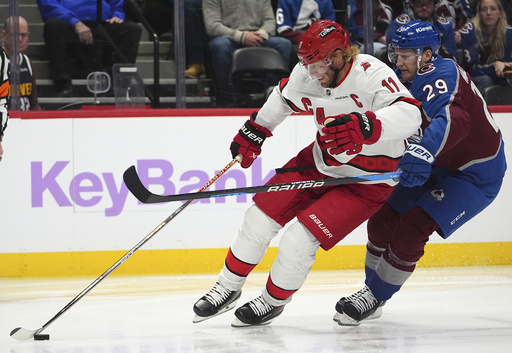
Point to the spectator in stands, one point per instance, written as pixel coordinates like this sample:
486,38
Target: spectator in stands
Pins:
392,9
77,43
487,45
381,20
27,91
233,24
424,10
457,12
195,33
160,15
293,18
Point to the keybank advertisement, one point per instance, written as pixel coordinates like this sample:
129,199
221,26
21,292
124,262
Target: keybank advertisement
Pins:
62,189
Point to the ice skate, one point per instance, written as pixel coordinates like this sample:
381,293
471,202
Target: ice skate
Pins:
362,305
256,312
217,301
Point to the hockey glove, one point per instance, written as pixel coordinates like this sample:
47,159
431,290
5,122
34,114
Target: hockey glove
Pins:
416,165
346,133
248,141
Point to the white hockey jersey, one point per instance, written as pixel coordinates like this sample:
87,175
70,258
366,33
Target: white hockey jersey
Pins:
370,85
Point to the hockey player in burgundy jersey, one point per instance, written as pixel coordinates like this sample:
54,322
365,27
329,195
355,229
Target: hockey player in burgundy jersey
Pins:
370,116
450,173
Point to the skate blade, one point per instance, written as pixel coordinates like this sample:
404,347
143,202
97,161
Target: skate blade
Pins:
238,323
228,307
344,320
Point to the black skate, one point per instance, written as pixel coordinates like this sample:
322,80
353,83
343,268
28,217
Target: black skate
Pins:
217,301
256,312
362,305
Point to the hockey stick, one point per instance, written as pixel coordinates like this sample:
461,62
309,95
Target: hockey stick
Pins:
134,184
22,334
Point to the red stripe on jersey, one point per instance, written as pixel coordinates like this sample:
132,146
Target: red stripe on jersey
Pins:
408,100
293,106
283,83
278,293
373,164
237,266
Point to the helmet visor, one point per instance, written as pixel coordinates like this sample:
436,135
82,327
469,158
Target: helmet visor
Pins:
316,69
405,54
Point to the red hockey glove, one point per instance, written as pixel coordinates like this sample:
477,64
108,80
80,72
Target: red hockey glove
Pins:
248,141
348,132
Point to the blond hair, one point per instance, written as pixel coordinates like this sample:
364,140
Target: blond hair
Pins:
350,53
346,54
495,41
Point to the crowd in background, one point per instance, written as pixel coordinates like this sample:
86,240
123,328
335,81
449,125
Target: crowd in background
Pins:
474,33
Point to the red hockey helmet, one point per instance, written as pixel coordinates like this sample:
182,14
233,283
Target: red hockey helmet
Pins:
321,40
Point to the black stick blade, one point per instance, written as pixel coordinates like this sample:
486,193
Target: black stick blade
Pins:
133,183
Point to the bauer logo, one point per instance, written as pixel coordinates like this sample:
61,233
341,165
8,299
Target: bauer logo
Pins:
91,191
321,226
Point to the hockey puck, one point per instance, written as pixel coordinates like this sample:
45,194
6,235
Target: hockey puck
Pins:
42,337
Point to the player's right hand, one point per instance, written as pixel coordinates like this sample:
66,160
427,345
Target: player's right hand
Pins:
248,141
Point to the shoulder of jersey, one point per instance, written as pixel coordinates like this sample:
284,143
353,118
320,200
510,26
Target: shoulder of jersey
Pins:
443,21
468,27
403,19
369,62
444,68
296,79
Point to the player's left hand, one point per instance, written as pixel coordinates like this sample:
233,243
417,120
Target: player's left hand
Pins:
349,131
416,165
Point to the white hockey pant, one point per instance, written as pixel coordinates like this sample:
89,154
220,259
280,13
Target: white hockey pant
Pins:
296,254
250,244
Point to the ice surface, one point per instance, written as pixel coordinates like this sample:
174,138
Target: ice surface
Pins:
438,310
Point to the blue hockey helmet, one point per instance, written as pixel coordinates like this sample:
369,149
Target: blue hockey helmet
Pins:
417,35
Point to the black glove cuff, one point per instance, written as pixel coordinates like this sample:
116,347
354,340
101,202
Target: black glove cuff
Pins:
251,135
365,124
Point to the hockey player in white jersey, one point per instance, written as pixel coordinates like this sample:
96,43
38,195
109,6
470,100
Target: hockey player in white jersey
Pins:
369,114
